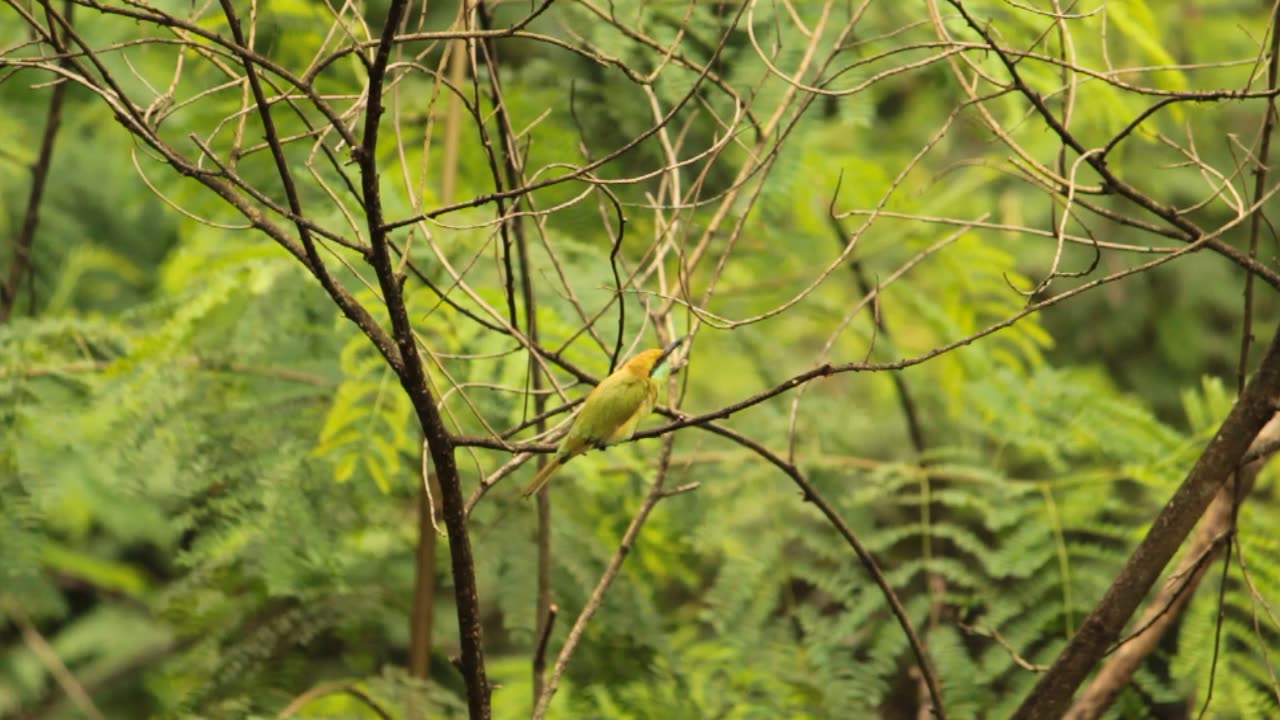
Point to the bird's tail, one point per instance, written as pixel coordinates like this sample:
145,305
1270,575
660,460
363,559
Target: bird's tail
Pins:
543,476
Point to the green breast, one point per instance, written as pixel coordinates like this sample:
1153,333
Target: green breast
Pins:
612,406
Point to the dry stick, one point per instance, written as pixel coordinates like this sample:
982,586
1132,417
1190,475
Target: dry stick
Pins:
606,580
544,610
332,688
1167,605
504,227
1008,647
45,653
547,623
1259,187
424,581
1052,694
39,178
453,116
1256,599
129,667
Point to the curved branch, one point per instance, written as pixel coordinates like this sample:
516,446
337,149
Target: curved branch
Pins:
332,688
1098,161
583,171
811,494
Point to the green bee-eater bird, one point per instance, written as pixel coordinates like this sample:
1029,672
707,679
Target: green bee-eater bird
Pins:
611,411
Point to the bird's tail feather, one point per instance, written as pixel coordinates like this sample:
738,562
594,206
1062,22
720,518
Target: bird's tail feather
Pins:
542,477
572,447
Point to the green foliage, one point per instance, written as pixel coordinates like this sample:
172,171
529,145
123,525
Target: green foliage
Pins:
209,476
369,419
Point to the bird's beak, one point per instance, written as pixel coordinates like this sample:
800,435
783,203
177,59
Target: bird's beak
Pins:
666,351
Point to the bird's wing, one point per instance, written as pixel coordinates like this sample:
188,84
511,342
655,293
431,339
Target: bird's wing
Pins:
608,407
628,428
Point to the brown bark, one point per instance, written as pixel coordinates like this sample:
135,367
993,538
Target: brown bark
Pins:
1052,695
424,590
39,179
1167,605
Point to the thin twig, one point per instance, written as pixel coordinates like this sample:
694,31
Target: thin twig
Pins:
548,624
48,657
426,487
332,688
421,621
606,580
1008,647
22,246
1259,189
810,494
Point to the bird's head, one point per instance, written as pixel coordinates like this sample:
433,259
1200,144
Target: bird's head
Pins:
646,363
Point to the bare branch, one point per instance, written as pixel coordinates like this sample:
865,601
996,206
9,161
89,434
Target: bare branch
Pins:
22,244
48,657
606,580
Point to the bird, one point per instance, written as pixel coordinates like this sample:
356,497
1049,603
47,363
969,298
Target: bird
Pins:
611,411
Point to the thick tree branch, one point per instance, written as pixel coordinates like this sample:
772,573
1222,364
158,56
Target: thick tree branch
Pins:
1053,692
413,378
1167,605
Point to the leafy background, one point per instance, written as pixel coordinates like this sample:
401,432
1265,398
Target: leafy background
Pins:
208,479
